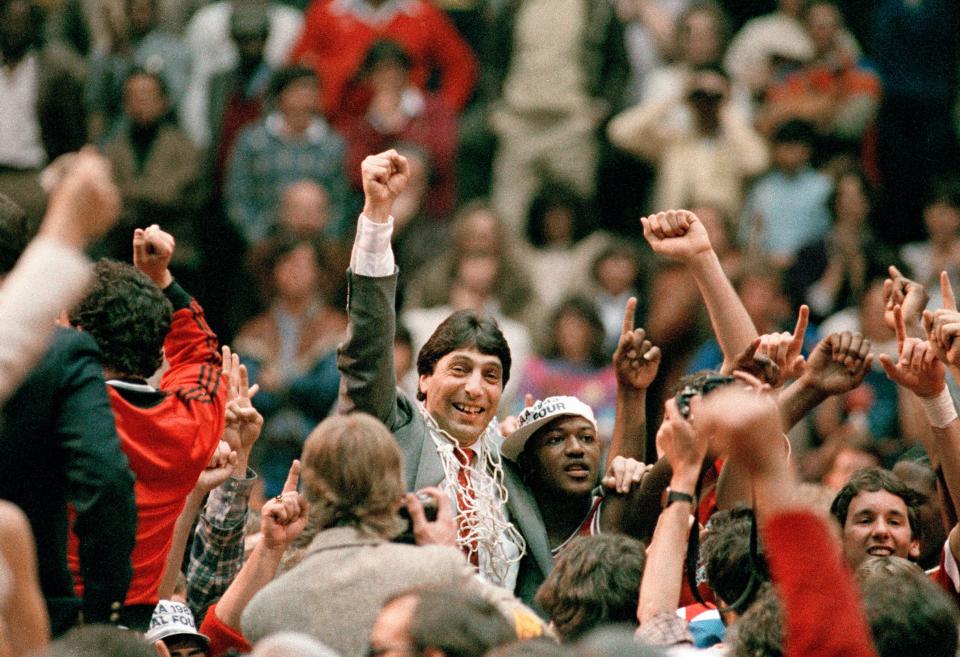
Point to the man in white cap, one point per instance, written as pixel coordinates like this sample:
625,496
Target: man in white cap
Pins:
555,444
558,450
173,624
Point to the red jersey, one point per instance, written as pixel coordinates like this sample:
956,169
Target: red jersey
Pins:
589,527
168,435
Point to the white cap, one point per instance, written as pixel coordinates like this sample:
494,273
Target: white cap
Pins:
172,618
543,411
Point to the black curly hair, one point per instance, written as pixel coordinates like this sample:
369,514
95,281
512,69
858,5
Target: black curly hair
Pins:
128,316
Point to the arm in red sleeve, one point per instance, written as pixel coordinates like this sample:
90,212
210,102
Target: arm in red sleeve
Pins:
222,637
822,612
193,351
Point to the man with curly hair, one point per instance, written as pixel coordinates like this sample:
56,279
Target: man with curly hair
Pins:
137,315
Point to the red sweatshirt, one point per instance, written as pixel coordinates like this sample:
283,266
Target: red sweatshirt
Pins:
168,436
338,33
821,605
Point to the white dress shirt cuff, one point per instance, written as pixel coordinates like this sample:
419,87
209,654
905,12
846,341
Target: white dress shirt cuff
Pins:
372,254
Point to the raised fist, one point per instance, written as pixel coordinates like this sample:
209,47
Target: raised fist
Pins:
677,234
385,176
84,200
152,250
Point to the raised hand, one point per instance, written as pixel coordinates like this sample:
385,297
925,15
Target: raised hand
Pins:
385,176
744,423
677,234
84,199
243,422
443,530
623,473
283,517
757,365
943,326
838,363
152,250
784,349
912,297
917,368
682,445
636,360
218,469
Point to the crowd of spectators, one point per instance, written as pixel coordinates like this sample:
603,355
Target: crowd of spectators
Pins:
518,169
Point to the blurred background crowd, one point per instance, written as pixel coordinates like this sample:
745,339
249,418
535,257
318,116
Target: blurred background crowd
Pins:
817,140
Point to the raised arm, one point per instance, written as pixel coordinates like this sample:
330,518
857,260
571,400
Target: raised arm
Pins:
837,365
685,449
216,554
53,272
679,235
365,359
636,362
749,423
190,345
217,471
282,519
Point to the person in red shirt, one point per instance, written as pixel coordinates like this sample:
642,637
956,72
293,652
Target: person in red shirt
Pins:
138,315
338,33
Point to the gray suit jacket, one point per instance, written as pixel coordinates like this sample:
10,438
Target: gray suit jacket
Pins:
336,592
368,383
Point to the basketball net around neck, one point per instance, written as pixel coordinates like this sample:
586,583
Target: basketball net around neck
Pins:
481,500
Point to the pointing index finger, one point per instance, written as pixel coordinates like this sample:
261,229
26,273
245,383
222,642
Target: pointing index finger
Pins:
900,327
803,318
293,477
628,315
949,300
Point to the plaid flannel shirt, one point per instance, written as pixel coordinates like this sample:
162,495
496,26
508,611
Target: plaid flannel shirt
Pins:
216,555
665,629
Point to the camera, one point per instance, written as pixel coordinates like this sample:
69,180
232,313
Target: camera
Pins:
701,385
429,510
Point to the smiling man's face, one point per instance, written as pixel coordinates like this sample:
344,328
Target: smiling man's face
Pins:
462,392
878,525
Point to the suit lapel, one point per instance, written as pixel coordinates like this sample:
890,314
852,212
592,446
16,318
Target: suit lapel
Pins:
429,470
525,514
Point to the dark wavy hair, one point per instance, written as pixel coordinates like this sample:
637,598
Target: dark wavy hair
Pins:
462,330
594,581
872,480
725,552
128,316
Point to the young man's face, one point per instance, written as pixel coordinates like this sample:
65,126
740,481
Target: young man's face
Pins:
463,392
186,647
566,455
878,525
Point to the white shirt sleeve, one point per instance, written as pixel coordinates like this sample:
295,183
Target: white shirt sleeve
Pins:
372,254
49,277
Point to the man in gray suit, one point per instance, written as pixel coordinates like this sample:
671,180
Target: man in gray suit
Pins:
448,438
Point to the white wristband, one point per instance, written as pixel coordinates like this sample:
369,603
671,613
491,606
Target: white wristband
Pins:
940,409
